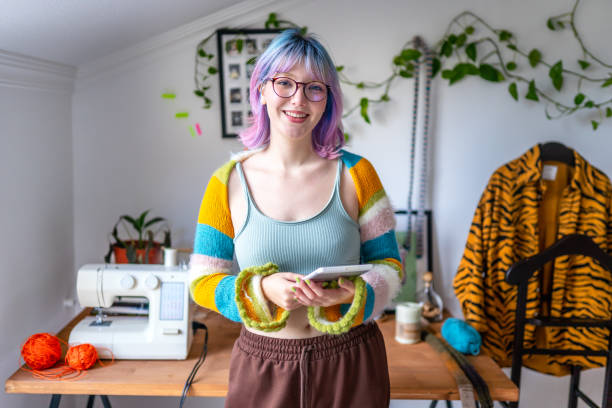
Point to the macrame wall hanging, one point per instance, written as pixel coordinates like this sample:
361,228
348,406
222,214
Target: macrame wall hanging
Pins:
415,237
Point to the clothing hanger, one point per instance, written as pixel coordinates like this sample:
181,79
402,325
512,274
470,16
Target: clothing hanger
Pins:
574,244
555,151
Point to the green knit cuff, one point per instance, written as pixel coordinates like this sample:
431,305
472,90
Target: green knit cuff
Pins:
346,322
251,303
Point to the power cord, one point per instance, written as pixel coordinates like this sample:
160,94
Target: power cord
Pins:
195,326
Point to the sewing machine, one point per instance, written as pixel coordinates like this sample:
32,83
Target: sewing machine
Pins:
156,297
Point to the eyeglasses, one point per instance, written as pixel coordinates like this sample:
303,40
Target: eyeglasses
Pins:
314,91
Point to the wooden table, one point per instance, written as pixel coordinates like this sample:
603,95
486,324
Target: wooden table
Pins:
416,371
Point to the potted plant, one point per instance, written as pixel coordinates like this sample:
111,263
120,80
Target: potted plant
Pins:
140,245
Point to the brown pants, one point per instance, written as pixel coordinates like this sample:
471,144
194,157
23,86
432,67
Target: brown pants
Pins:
343,371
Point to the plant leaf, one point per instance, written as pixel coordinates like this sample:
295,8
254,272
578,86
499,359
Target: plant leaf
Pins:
550,24
470,51
595,124
447,49
461,40
452,38
607,83
131,220
578,99
360,85
589,104
130,252
556,74
608,112
504,35
513,91
385,98
511,66
457,75
212,70
198,93
512,47
239,45
435,66
469,30
405,73
535,57
339,68
467,68
154,221
448,73
532,93
410,54
201,53
584,64
490,73
107,257
364,109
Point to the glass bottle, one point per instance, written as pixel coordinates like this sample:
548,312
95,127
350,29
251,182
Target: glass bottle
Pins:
431,301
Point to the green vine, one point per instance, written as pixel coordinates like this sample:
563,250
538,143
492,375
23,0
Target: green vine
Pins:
477,49
468,36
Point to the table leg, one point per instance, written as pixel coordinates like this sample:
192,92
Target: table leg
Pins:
90,401
55,400
105,401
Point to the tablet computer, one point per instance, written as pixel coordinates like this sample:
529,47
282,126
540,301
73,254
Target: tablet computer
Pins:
327,273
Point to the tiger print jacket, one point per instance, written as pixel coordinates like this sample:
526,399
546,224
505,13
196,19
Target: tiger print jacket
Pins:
504,230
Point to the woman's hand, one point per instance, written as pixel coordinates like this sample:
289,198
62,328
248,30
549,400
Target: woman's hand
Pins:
277,288
311,293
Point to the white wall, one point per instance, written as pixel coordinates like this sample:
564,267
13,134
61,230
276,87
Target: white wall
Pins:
36,246
130,153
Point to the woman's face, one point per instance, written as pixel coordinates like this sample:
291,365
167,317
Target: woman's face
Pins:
296,116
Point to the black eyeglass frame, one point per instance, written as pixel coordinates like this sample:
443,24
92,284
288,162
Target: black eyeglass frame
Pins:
297,86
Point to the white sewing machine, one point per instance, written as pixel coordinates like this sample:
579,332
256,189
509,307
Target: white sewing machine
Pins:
161,330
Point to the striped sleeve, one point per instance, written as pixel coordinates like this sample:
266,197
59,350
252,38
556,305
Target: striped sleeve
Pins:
211,283
378,243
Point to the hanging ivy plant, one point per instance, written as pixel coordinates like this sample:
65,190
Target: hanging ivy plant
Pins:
477,50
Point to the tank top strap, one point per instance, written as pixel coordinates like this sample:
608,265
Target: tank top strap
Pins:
338,177
244,184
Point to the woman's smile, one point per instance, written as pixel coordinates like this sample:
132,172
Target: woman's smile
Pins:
295,116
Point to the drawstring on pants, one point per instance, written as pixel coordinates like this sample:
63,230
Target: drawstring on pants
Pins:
304,375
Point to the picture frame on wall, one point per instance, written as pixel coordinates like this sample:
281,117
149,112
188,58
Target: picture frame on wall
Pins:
237,50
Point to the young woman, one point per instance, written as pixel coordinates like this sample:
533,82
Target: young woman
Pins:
292,203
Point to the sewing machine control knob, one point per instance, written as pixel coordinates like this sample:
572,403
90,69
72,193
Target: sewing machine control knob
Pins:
127,281
152,282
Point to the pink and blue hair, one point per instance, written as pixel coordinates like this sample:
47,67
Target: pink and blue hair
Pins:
286,50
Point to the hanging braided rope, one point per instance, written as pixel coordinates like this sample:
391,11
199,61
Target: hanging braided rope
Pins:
427,58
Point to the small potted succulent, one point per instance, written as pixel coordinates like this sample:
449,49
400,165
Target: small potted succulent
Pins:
140,245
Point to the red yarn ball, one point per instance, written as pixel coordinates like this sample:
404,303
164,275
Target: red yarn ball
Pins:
81,357
41,351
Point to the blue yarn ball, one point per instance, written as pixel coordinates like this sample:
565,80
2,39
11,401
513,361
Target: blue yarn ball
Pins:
461,336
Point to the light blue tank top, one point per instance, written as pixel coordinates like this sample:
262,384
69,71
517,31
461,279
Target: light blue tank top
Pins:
329,238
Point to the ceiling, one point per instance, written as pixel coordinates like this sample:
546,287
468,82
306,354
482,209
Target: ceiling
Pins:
74,32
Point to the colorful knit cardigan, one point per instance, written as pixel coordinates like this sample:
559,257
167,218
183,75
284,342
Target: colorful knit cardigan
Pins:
213,286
